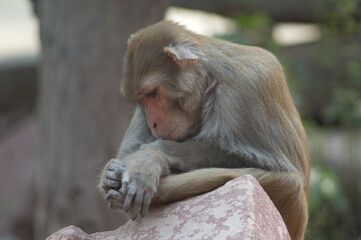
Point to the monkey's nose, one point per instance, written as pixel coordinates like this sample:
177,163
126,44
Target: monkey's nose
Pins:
155,125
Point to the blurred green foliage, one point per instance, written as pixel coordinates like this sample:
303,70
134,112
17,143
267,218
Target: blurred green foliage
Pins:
343,21
335,186
259,20
253,29
332,79
329,207
341,15
345,107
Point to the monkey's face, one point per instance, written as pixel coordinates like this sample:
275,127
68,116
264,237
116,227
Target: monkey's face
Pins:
160,74
165,117
158,92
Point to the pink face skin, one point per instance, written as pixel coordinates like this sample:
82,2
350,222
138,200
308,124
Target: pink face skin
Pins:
164,117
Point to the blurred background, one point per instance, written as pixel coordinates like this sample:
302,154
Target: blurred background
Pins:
62,117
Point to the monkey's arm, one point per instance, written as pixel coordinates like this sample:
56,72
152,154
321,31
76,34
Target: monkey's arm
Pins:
138,174
137,134
286,190
193,154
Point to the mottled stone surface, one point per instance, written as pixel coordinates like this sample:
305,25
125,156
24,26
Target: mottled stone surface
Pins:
238,210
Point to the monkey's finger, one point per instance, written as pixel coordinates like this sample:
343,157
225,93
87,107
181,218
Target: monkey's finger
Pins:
137,204
112,166
114,206
112,194
146,203
106,185
115,166
115,199
115,203
109,183
114,175
125,183
118,172
128,199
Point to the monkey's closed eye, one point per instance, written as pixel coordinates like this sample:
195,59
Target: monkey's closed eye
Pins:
152,93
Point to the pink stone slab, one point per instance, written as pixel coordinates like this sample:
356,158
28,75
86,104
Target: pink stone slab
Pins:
238,210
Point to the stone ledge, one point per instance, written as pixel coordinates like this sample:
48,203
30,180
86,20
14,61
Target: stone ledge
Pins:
238,210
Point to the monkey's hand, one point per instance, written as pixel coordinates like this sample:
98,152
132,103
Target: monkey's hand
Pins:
111,178
139,181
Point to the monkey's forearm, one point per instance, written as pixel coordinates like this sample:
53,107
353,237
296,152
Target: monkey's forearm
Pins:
190,155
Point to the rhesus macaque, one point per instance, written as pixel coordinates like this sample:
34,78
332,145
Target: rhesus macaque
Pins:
208,111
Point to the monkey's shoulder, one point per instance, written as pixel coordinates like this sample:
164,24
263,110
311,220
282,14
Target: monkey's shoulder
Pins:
237,54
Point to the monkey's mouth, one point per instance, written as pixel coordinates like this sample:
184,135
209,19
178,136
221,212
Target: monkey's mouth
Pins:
169,136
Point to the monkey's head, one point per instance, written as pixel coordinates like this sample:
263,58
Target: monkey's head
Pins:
163,74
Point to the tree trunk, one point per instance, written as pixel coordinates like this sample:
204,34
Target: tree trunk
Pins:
81,113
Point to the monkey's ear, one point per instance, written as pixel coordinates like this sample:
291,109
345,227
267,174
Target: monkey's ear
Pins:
181,55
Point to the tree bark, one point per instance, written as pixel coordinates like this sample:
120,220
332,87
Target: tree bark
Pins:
81,113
